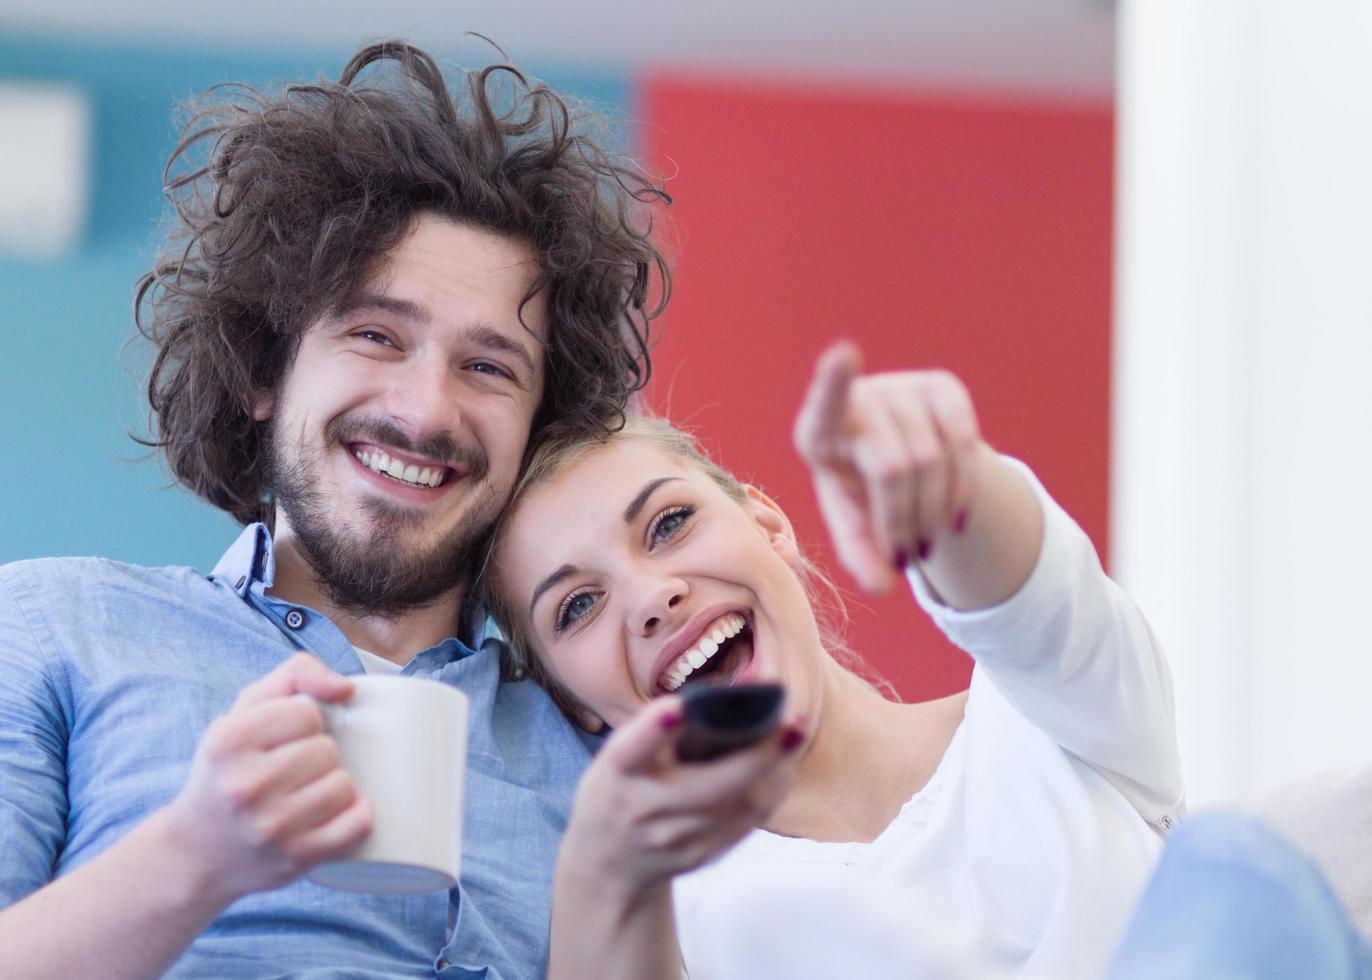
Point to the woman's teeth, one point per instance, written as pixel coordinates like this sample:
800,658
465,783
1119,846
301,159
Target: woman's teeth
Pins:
415,476
688,663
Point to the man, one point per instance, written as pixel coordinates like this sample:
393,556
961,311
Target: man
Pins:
374,293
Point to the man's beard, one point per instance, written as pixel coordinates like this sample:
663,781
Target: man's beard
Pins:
374,572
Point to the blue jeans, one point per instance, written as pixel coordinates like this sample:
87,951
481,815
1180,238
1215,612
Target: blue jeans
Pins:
1231,898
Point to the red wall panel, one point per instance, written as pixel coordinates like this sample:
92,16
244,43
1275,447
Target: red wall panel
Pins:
964,233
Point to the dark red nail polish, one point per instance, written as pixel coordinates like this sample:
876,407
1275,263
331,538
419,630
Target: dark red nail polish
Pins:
670,721
902,561
922,548
960,521
791,739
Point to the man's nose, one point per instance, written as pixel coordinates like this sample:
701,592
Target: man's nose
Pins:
659,607
423,398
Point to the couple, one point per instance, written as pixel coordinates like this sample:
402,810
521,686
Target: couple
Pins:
379,302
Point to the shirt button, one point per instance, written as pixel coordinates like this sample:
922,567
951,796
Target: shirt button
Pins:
443,964
295,619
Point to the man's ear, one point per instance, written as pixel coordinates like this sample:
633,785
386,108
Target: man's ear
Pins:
263,404
773,521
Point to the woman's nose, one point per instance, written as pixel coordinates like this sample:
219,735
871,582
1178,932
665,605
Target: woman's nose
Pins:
659,608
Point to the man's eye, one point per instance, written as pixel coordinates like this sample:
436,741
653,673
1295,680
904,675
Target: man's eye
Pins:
376,337
574,607
486,367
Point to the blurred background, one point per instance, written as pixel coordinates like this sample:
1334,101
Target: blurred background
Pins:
1138,231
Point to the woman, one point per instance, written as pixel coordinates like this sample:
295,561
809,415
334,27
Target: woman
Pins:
1005,831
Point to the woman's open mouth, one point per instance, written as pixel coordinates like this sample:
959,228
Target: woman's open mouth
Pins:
723,650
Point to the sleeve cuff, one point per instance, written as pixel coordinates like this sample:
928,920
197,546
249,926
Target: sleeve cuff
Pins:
1000,629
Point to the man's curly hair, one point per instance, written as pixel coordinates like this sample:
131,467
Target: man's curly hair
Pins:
304,194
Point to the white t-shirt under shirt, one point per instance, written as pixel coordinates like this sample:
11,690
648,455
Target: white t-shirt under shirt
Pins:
377,666
1027,850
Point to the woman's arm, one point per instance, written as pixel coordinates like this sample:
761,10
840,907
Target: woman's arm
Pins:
906,482
989,559
600,933
640,818
1074,655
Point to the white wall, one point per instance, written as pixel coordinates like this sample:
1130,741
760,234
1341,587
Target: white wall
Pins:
1243,417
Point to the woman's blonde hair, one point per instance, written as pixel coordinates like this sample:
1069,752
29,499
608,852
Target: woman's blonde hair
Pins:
555,450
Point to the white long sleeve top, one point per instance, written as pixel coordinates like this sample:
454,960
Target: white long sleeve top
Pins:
1025,853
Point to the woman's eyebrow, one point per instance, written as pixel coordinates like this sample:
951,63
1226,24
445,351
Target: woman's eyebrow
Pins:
641,498
630,513
548,583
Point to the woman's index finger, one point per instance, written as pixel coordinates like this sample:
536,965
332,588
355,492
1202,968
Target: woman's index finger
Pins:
820,422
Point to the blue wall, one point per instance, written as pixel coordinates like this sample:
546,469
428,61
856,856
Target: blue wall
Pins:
70,380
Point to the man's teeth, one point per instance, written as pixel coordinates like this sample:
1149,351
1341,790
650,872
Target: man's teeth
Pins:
428,476
693,659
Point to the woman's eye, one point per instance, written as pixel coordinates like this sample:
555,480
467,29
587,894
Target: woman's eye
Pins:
670,523
575,606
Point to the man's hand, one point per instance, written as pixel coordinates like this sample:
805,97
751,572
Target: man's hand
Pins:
266,800
895,459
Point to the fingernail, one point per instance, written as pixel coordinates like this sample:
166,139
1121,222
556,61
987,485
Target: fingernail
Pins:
791,739
902,561
960,521
922,549
670,721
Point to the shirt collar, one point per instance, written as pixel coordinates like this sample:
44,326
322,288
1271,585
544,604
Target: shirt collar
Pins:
248,561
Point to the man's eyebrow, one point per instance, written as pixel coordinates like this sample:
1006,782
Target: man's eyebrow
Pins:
389,304
637,503
548,583
495,340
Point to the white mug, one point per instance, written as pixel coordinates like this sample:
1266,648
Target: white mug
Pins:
404,742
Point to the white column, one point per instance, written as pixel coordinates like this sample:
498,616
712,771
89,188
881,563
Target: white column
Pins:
1242,511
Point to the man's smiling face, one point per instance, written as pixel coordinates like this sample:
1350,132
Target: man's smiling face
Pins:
397,433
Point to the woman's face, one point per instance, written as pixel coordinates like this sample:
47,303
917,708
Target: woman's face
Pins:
633,573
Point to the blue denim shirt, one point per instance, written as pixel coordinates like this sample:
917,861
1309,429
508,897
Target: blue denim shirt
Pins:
110,673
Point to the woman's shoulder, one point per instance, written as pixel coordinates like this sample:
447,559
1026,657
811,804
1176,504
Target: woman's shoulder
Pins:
941,715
